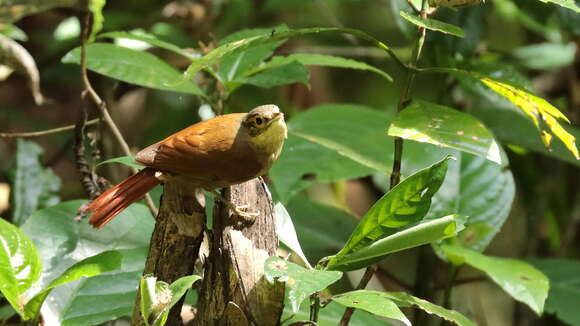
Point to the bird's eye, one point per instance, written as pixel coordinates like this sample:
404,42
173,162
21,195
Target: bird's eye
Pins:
259,121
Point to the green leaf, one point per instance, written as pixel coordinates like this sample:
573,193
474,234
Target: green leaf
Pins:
564,295
33,186
311,59
519,279
20,265
135,67
334,142
454,3
538,110
95,265
482,193
433,25
6,312
570,4
217,54
545,56
402,299
67,29
313,220
440,125
103,297
237,63
300,282
177,290
330,315
13,32
292,72
148,295
286,232
406,203
423,233
374,302
150,39
126,160
96,8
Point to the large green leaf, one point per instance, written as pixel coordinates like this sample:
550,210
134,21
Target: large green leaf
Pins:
334,142
33,186
271,36
564,295
545,56
330,315
372,300
439,125
313,220
406,203
135,67
570,4
292,72
519,279
99,298
543,115
313,59
286,232
482,193
414,236
95,265
148,38
300,282
237,63
433,24
20,265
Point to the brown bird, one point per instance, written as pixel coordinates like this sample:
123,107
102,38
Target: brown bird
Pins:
215,153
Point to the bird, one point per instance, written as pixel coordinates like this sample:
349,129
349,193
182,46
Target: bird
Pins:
216,153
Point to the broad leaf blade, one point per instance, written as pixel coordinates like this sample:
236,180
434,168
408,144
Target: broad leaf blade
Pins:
415,236
372,302
20,264
292,72
95,265
148,38
570,4
135,67
433,24
300,282
368,300
439,125
286,232
34,186
519,279
564,295
330,315
406,203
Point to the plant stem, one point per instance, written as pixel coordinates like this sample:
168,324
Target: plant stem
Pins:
314,307
452,276
396,171
43,132
103,106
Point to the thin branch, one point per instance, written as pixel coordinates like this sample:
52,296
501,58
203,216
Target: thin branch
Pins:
43,132
103,106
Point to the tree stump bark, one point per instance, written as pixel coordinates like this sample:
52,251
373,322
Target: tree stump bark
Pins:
234,291
175,241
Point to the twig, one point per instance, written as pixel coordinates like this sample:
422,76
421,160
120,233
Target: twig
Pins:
396,170
103,106
43,132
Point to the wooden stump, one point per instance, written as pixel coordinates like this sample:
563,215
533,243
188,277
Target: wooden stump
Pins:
234,291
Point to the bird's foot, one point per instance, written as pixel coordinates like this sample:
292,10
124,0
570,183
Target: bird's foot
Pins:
240,210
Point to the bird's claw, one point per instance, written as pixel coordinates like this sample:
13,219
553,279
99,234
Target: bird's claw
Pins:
240,211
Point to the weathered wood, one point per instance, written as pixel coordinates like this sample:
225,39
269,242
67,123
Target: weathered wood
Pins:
176,240
234,291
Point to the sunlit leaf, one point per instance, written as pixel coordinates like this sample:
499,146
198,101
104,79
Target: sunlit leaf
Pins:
148,38
570,4
519,279
135,67
439,125
95,265
423,233
433,24
330,315
373,302
406,203
20,265
300,282
286,232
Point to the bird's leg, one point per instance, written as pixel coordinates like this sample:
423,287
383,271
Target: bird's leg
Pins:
237,209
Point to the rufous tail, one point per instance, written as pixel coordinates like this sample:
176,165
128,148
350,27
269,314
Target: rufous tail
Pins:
113,201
